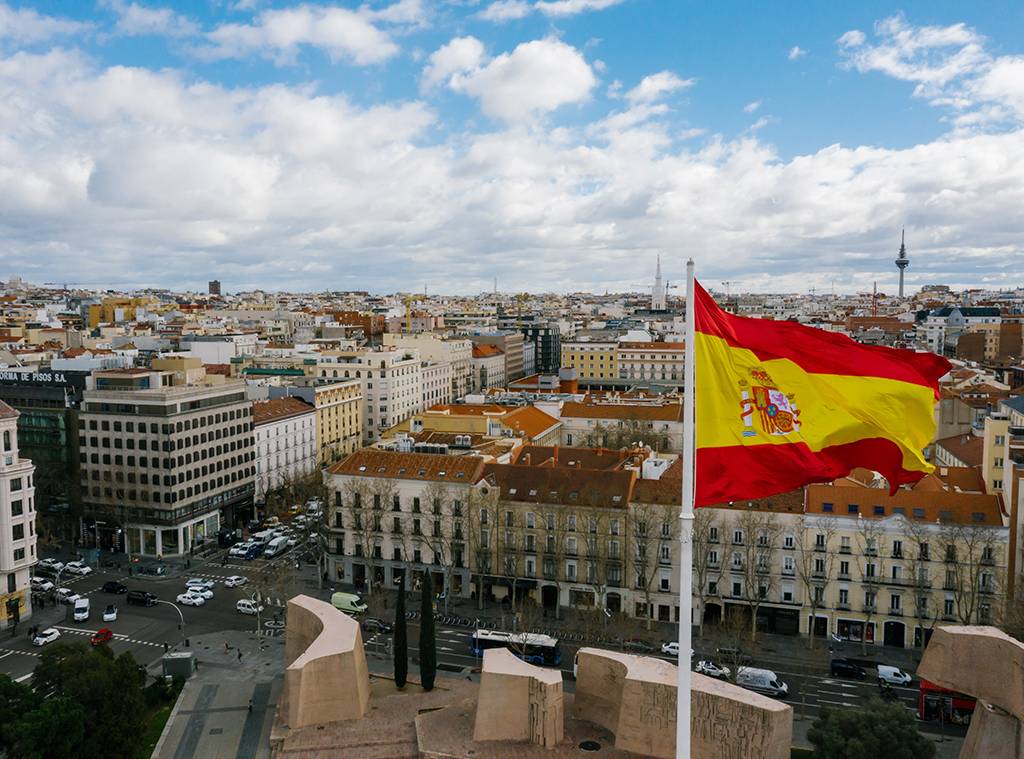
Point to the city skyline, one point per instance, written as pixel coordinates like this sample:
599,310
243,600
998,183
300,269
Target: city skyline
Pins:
392,146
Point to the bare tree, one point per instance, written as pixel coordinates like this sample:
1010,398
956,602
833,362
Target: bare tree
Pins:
814,562
869,535
626,435
705,527
483,509
556,524
918,559
595,542
970,556
761,531
644,527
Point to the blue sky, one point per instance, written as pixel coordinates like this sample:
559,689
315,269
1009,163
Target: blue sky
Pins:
387,145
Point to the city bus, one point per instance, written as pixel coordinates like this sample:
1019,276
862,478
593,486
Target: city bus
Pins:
935,703
530,647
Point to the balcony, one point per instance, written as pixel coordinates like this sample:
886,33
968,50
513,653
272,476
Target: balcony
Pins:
895,612
818,575
845,549
842,607
843,576
788,572
987,561
949,618
869,608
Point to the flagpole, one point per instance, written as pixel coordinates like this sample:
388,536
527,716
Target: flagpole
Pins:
686,527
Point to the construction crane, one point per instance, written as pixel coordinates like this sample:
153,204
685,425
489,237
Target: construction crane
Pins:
409,300
521,299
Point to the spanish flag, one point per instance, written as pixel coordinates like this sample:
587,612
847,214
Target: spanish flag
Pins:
780,405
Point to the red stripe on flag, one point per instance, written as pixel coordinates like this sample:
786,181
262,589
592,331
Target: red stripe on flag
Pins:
748,472
815,350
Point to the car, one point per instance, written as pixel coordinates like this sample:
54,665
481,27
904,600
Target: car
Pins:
110,613
190,599
672,649
48,635
77,568
373,624
711,669
235,581
67,595
114,586
51,564
205,593
240,549
762,681
103,635
247,606
197,582
140,598
846,668
893,675
82,609
41,584
292,541
636,644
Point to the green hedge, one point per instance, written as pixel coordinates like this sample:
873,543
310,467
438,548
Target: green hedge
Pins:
801,753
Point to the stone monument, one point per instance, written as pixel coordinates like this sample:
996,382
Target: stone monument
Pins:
518,701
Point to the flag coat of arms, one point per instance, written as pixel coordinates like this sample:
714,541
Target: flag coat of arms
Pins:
780,405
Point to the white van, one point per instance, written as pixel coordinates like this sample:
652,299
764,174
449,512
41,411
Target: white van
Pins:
348,602
893,675
247,606
81,609
761,681
264,537
276,546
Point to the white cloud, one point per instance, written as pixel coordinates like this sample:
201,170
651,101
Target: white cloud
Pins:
656,86
506,10
751,107
457,56
852,38
796,52
280,34
403,12
139,20
761,123
535,78
26,26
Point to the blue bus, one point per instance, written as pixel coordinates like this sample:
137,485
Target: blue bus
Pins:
530,647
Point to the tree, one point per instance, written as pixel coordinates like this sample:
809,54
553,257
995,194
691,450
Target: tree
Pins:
53,731
401,646
814,562
595,542
761,536
705,527
970,563
869,534
428,642
626,435
482,514
654,528
918,557
447,536
879,729
16,700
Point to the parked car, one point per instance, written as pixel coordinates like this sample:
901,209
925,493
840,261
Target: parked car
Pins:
255,550
711,669
198,582
846,668
110,613
235,581
77,568
114,586
191,599
247,606
893,675
82,608
205,593
41,584
140,598
103,635
240,549
372,624
51,564
66,595
348,602
48,635
638,645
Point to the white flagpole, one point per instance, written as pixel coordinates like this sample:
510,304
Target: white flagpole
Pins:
686,528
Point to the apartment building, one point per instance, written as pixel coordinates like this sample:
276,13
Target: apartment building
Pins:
488,367
339,413
17,522
391,380
163,466
455,351
510,343
593,360
437,383
940,329
285,441
649,361
615,420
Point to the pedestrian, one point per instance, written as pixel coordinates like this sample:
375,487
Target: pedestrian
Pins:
250,706
226,647
165,647
239,656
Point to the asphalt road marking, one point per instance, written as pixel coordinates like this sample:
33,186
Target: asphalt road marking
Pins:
23,653
23,678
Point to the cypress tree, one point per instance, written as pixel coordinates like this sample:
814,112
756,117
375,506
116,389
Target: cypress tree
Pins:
401,647
428,643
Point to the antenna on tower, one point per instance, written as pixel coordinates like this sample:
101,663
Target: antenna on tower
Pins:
874,301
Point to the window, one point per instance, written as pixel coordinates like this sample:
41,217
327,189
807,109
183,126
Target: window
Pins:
16,508
895,602
530,520
869,570
924,552
712,534
826,507
819,542
852,508
788,541
897,549
844,569
16,484
787,565
844,544
19,554
737,537
844,597
713,558
18,533
947,607
737,588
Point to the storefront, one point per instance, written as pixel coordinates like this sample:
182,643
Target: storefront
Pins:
855,630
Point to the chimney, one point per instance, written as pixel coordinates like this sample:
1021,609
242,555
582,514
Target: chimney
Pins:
556,453
526,459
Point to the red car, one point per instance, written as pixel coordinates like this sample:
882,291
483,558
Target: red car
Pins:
104,635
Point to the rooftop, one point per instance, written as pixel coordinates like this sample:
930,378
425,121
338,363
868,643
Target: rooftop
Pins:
264,412
373,462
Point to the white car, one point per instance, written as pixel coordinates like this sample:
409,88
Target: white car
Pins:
41,584
67,595
235,581
110,613
205,593
246,606
53,564
240,549
77,568
197,582
46,636
709,668
191,599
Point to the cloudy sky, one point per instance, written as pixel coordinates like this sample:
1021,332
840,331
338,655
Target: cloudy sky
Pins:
557,145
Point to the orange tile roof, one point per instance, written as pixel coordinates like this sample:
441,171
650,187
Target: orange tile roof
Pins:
966,448
668,412
468,409
374,462
264,412
572,458
568,487
530,421
6,412
486,350
924,503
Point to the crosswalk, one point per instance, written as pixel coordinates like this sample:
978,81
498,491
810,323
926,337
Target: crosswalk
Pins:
8,651
117,636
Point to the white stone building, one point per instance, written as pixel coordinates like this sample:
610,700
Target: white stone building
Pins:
286,451
488,367
456,351
17,521
437,383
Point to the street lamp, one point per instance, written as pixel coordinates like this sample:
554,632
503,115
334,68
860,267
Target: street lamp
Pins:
181,616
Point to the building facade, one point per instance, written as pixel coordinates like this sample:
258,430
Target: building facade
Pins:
17,522
488,367
437,383
593,360
285,442
339,413
162,467
455,351
661,362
